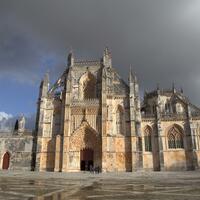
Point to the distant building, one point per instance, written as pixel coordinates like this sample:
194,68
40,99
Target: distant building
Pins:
91,118
16,148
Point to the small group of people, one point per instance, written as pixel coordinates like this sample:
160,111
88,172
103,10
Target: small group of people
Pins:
95,170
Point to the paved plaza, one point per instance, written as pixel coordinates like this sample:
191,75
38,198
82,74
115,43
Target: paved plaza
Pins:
80,186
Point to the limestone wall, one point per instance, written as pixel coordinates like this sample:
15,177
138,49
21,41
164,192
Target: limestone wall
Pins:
47,154
175,160
19,149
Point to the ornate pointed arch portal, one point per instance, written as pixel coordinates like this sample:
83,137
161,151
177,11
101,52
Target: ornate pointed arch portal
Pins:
84,148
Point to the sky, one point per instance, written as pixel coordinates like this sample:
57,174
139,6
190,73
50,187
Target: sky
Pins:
160,39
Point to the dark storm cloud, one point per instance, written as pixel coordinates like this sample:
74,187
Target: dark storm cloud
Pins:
160,38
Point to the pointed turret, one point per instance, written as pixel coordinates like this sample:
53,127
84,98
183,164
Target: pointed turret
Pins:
137,106
131,77
107,59
158,89
173,88
133,82
44,86
135,121
134,103
181,90
70,60
136,84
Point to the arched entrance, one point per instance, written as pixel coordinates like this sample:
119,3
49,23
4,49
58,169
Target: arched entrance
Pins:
86,159
6,161
84,149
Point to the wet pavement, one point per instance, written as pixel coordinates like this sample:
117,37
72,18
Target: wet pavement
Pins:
80,186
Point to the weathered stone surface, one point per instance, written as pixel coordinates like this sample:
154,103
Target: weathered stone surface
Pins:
19,148
135,185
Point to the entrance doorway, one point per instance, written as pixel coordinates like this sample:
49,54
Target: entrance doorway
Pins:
6,161
87,159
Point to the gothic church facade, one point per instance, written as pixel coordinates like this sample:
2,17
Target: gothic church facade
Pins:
92,118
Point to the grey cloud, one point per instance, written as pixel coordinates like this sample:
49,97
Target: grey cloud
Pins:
161,39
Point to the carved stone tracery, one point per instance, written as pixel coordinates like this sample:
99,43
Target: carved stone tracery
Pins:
84,137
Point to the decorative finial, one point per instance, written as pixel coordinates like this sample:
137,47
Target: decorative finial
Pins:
130,74
106,51
157,86
181,90
173,87
70,58
135,77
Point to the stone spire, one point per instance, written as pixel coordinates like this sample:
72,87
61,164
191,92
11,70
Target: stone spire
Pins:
132,100
133,82
70,60
158,88
44,86
46,78
107,58
173,87
131,76
181,90
137,106
134,103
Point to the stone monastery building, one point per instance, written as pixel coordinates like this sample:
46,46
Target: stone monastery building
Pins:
92,118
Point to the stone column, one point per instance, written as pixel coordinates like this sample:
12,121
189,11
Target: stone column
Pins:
57,167
66,121
159,135
190,147
103,122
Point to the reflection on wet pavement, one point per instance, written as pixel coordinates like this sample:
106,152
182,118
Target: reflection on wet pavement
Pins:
80,186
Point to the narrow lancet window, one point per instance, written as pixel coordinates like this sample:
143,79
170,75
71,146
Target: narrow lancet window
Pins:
147,139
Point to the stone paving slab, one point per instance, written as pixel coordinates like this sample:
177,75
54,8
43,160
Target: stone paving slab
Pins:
80,186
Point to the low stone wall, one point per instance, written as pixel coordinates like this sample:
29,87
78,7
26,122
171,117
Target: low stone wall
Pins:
18,149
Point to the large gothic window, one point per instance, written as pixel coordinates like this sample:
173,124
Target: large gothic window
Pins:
147,139
88,86
175,138
119,120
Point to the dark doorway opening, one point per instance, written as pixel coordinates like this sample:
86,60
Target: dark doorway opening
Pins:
6,161
87,159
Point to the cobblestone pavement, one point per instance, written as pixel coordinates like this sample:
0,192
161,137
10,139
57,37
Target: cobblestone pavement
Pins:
80,186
